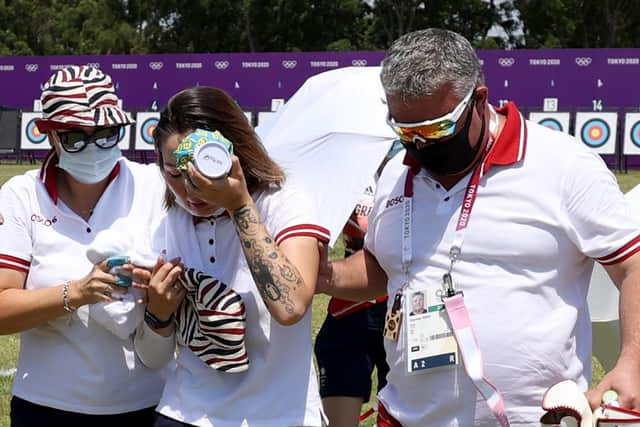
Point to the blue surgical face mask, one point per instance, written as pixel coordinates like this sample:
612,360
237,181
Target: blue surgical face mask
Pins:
91,165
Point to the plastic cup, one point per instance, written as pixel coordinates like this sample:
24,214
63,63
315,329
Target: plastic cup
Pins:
212,159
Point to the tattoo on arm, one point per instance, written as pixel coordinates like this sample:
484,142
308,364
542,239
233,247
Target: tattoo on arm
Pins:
275,277
246,221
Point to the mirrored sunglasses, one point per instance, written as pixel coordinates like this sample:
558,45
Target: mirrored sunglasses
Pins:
76,140
431,129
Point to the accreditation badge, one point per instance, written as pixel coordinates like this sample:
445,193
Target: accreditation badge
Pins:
393,319
430,341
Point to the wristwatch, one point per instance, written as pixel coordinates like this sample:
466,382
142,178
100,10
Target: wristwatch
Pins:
154,323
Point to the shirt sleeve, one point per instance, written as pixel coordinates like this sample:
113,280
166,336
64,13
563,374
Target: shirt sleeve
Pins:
154,350
601,222
290,213
15,230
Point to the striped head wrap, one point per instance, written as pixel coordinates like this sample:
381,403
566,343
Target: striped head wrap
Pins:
80,96
211,322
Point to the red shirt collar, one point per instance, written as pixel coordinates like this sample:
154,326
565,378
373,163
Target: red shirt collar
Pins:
48,174
509,148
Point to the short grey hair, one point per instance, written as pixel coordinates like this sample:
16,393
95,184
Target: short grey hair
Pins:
419,63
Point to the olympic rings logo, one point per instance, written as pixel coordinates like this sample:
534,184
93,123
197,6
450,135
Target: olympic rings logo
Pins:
506,62
289,64
221,65
359,62
155,66
31,67
583,61
93,64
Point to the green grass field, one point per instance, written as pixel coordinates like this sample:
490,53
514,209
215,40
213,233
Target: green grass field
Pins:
9,344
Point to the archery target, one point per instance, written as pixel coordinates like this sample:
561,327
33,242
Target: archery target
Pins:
264,117
555,121
248,115
30,136
597,131
125,138
631,141
145,124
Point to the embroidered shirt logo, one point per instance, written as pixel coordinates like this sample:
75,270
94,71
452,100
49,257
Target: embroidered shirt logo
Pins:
394,201
44,221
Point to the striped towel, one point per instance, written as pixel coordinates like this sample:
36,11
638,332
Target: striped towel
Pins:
211,322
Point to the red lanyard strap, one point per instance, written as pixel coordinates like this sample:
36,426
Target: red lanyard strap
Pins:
454,301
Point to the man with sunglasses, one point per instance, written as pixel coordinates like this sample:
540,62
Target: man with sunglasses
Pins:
71,370
497,221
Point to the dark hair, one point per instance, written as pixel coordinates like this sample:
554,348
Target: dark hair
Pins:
213,109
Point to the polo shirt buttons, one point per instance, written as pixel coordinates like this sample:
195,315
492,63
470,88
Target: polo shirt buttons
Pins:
212,259
446,199
88,229
211,241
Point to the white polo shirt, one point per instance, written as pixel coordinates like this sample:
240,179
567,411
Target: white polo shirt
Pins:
545,208
72,363
280,387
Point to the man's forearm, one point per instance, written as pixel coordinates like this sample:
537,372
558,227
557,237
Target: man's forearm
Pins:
357,278
630,319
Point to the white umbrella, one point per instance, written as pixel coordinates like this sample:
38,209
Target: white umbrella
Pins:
330,137
603,304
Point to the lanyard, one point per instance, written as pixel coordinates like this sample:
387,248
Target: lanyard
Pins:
454,301
463,219
461,226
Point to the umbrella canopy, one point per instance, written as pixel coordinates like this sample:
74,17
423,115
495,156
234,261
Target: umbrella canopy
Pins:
603,300
330,137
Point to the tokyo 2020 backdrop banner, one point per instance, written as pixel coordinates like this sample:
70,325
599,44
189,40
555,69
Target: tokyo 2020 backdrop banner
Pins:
145,82
573,79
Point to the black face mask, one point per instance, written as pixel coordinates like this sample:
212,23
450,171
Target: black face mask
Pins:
448,157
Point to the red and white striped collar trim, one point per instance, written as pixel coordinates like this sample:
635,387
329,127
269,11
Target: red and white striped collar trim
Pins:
509,148
48,174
